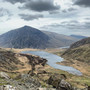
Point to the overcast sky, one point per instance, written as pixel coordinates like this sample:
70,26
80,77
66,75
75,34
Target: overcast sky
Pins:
61,16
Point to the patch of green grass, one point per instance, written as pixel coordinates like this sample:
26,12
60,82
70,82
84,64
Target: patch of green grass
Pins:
3,81
81,53
13,75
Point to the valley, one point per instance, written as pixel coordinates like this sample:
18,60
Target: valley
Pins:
28,54
44,44
77,81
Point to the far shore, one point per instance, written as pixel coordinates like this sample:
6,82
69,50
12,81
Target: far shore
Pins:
49,50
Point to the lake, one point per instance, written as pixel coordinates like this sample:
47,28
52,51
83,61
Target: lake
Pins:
52,59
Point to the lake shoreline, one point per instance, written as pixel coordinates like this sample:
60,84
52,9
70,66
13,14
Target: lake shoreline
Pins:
57,52
52,59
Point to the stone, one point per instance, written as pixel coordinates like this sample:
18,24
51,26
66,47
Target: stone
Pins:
63,85
4,75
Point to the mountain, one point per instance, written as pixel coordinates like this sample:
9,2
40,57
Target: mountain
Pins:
78,36
79,51
59,40
29,37
81,42
24,37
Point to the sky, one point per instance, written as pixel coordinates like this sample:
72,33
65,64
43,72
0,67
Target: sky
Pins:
60,16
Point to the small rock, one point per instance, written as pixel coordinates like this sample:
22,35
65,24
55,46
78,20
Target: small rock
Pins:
4,75
7,87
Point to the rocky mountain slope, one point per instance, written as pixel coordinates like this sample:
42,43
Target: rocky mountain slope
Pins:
15,62
28,37
59,40
81,42
24,37
8,61
79,51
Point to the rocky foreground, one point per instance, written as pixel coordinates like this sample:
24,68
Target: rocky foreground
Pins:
28,72
28,82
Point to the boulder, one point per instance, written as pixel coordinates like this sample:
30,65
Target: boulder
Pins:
59,83
8,87
63,85
54,80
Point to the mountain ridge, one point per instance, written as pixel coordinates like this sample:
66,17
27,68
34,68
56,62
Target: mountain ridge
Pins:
80,51
81,42
78,36
29,37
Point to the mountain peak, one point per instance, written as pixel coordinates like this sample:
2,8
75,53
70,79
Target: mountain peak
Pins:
26,26
30,37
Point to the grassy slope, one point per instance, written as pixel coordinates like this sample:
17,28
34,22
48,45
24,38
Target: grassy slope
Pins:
81,53
8,61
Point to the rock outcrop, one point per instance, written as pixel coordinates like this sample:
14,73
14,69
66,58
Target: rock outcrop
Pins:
26,82
33,61
61,84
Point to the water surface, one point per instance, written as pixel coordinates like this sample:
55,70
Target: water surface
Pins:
52,59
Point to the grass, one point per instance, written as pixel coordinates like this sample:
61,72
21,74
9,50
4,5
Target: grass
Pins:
3,82
81,53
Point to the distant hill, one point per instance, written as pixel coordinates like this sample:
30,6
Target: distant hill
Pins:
59,40
78,36
81,42
29,37
79,51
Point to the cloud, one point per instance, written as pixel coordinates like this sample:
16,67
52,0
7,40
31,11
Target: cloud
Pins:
75,25
4,12
69,27
87,18
41,5
15,1
84,3
54,12
70,9
30,17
